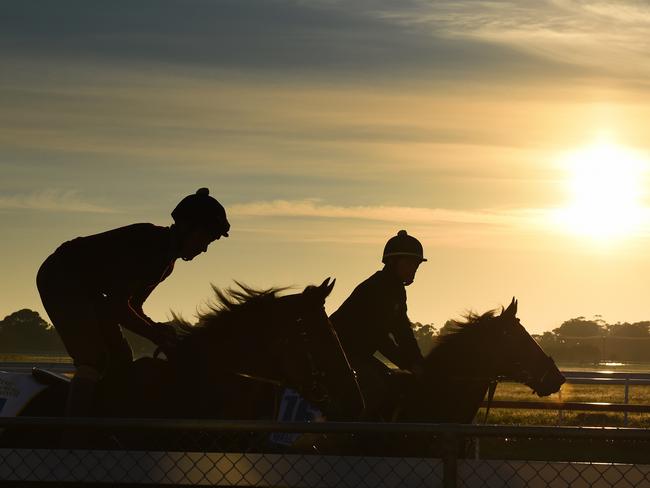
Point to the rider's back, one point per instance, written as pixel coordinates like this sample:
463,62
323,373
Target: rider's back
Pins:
121,261
374,309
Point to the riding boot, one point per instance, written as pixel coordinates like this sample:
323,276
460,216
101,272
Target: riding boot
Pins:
79,404
80,397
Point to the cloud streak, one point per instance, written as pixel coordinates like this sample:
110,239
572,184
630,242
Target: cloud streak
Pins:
393,214
52,201
600,36
327,38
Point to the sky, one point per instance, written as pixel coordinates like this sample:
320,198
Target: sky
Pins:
511,138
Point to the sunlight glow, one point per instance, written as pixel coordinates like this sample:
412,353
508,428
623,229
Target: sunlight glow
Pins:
606,186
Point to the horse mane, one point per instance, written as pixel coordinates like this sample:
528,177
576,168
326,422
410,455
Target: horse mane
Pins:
464,333
230,308
471,322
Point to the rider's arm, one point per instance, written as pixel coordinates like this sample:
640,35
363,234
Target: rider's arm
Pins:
139,322
138,318
133,318
407,343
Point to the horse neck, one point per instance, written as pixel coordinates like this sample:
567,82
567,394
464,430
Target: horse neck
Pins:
468,354
238,344
459,378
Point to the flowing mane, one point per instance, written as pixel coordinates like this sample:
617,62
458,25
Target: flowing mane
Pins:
230,307
466,330
465,349
237,322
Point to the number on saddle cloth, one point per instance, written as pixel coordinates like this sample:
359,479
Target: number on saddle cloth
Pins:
294,408
16,391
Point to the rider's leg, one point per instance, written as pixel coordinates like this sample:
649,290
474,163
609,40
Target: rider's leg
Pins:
82,390
372,375
75,317
120,354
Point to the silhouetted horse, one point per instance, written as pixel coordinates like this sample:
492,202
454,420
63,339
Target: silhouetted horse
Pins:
457,374
247,347
462,365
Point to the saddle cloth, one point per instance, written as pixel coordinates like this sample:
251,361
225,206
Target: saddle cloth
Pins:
16,391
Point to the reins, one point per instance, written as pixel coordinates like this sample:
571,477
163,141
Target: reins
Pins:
491,390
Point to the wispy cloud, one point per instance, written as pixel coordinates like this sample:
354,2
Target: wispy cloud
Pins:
498,229
394,214
609,37
366,39
52,201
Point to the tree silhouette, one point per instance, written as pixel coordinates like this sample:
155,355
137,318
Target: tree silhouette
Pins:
581,327
637,329
450,326
424,335
26,331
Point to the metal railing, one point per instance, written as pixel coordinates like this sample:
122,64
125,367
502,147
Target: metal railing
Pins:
626,379
588,378
322,455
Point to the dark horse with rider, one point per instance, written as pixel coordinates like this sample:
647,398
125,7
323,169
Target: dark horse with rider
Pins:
252,344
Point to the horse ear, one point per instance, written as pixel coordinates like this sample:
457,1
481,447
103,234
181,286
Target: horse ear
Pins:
330,287
326,287
512,308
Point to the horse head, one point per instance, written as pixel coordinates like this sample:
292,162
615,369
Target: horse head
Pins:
522,359
477,352
315,362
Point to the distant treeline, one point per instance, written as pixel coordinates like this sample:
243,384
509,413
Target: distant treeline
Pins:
580,339
577,339
25,331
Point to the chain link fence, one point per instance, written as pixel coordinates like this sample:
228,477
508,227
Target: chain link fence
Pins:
38,451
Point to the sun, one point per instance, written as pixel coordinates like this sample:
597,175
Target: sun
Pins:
605,184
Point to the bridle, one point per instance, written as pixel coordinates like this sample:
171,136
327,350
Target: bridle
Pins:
550,364
526,377
313,387
310,385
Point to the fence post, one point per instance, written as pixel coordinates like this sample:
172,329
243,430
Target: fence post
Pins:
559,412
449,460
627,397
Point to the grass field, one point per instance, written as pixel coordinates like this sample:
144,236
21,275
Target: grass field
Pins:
638,394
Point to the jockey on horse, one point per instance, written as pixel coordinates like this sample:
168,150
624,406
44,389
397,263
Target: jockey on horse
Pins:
90,286
374,318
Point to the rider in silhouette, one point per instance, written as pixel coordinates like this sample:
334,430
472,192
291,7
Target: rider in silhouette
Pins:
90,286
374,318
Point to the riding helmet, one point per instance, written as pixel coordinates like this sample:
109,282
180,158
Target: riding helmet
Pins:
403,245
201,210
